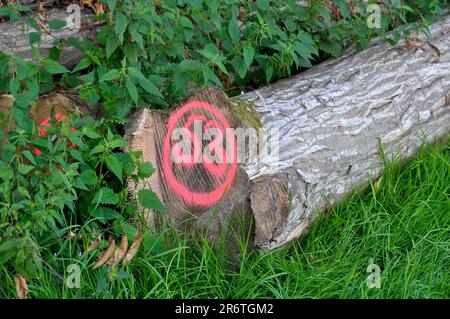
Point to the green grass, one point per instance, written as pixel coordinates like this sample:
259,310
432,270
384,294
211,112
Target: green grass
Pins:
403,225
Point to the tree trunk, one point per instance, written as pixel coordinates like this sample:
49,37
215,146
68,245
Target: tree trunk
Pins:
334,118
214,199
15,36
332,121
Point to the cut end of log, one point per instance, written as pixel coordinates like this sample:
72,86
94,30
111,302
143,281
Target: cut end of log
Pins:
211,195
43,108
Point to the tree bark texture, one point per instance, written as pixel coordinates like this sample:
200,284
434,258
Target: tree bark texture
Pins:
333,120
14,36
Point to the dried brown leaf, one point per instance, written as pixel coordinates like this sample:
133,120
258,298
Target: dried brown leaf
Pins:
106,254
99,8
93,246
41,25
41,9
133,248
21,287
87,3
120,252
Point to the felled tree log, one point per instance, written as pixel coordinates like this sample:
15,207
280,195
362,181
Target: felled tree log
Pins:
333,120
213,199
15,35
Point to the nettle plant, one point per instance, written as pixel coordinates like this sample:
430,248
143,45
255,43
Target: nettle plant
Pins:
66,184
75,189
152,53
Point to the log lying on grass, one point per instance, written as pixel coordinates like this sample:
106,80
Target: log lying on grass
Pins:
332,119
15,35
212,198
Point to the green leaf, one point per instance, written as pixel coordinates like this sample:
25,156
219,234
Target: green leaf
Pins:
152,243
105,195
78,183
52,67
331,47
110,75
185,22
239,66
263,4
112,44
122,227
114,165
91,133
303,51
150,200
56,24
120,142
145,170
269,73
190,65
59,178
30,157
249,53
209,75
233,26
77,155
120,26
104,214
149,87
53,54
137,37
131,88
9,248
25,169
234,31
6,173
130,50
343,7
34,37
21,7
75,138
84,63
305,38
212,53
98,149
111,4
136,73
89,177
14,86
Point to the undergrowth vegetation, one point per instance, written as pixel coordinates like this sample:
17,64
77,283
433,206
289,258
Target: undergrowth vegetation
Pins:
400,223
62,190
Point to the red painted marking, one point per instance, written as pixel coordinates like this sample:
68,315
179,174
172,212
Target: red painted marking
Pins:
43,132
225,172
